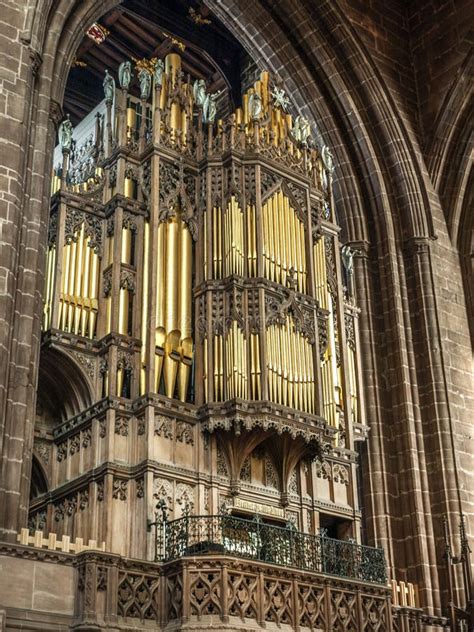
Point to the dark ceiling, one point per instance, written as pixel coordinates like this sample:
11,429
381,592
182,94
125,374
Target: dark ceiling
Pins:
153,28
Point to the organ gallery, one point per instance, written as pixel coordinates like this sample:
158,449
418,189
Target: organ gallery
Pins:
215,440
194,269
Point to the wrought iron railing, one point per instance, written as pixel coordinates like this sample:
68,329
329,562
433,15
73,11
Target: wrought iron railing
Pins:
285,546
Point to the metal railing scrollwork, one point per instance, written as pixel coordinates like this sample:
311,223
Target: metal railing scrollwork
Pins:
253,539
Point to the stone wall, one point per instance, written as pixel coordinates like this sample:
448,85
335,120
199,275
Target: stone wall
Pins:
354,84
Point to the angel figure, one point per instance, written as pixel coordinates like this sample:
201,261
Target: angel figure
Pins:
199,92
210,107
255,106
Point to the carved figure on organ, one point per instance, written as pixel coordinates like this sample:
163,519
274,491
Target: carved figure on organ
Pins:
199,92
125,74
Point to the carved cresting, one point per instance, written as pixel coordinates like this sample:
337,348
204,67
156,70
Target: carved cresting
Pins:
207,245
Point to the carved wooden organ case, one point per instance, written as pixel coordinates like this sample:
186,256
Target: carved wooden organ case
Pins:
194,278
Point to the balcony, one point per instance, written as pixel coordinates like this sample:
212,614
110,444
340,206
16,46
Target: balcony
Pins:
284,546
213,589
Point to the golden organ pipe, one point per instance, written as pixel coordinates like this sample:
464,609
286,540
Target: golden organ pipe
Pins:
185,289
94,288
185,309
265,239
284,353
71,284
160,332
274,232
85,287
144,314
307,353
171,263
205,243
304,376
206,371
281,230
215,243
270,255
269,363
78,279
119,382
220,244
123,311
126,245
257,364
216,368
65,285
229,361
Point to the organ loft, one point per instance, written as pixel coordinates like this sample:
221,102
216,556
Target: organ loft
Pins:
196,277
238,419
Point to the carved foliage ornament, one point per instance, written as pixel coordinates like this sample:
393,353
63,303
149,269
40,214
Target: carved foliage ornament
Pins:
178,190
92,228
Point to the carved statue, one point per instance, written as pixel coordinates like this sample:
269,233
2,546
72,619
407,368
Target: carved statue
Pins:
280,99
302,129
327,157
65,134
199,92
109,86
347,255
255,106
144,77
125,74
210,107
159,71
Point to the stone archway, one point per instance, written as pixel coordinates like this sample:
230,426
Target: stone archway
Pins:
382,197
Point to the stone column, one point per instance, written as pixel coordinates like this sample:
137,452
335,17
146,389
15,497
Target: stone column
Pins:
24,211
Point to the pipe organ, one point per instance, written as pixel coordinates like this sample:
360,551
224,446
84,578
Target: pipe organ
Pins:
194,266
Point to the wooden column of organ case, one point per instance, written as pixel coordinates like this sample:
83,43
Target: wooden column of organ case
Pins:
194,282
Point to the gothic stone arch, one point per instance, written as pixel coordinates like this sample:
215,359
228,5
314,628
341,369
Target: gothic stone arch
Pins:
387,206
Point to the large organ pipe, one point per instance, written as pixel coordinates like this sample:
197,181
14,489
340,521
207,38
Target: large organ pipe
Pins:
94,288
160,331
144,318
185,309
71,284
86,306
277,363
170,365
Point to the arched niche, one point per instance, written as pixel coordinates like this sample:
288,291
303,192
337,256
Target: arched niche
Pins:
39,480
63,389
